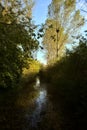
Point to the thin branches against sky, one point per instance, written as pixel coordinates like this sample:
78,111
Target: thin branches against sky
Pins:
82,5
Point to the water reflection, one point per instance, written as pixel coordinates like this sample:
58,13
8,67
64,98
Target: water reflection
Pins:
37,81
40,105
37,84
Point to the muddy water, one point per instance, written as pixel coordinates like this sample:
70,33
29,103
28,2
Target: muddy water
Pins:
32,110
43,116
40,103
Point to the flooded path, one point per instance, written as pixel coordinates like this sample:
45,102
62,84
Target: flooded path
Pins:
43,117
40,106
32,110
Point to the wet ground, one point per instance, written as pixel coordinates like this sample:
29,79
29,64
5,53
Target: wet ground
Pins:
31,110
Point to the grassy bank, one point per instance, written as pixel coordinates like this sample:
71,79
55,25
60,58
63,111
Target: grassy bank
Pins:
68,79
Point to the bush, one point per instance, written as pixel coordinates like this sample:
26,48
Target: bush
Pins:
68,78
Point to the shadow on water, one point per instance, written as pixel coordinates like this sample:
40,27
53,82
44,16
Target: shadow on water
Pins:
43,116
31,110
40,103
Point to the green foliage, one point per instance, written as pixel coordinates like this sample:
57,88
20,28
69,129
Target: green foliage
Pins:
69,85
31,71
16,46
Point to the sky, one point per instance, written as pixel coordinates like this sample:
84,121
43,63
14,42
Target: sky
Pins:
40,11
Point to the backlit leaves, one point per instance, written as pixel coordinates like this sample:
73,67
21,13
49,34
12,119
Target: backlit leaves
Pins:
62,16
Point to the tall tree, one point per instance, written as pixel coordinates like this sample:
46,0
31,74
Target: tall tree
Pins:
63,21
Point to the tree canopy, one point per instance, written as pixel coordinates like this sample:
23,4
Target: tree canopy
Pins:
64,22
16,40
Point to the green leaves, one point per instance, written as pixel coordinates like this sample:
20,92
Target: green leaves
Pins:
17,42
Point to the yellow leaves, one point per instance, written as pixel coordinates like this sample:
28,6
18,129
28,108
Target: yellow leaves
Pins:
28,14
17,8
69,3
28,7
77,15
4,12
33,67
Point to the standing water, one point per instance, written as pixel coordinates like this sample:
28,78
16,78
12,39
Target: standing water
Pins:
32,110
43,116
40,103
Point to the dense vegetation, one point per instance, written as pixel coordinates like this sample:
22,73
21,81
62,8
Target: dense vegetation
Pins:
17,43
66,72
64,77
68,78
